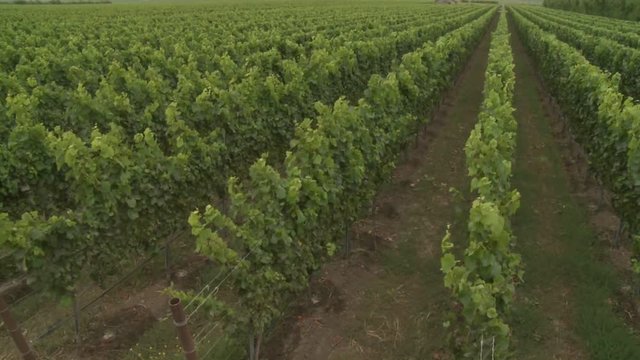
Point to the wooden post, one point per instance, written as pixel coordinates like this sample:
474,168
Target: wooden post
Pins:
76,317
252,347
347,241
15,332
167,259
180,322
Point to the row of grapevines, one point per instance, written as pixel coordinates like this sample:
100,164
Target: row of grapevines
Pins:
605,122
254,107
483,282
604,22
622,34
236,33
599,50
284,220
622,9
132,86
138,47
76,203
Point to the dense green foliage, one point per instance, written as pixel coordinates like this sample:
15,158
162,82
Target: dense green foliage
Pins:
484,280
284,219
621,9
112,129
624,32
597,46
58,2
605,122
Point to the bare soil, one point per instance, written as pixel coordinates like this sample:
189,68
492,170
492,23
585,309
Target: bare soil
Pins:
539,234
390,294
387,300
390,291
571,305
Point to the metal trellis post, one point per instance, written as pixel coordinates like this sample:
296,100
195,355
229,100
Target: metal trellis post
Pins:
15,332
180,322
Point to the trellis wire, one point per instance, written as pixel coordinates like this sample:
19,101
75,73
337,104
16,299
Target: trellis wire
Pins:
57,324
23,298
24,322
213,347
493,348
216,288
203,290
199,338
212,281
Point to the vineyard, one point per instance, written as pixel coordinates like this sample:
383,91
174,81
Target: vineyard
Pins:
621,9
355,180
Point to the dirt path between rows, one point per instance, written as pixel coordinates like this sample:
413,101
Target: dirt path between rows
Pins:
567,306
387,301
539,235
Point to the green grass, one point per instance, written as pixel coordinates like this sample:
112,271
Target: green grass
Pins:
560,249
